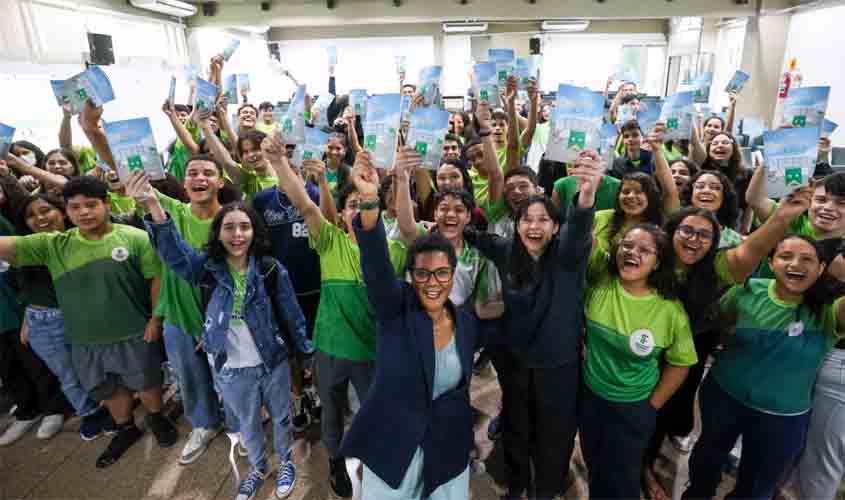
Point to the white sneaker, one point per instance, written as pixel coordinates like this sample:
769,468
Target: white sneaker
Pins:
198,442
50,426
17,430
242,451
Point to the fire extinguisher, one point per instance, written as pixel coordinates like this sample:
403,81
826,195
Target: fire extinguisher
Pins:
791,79
785,82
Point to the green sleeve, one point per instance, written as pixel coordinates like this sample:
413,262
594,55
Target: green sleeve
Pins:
495,211
150,263
33,250
830,321
682,351
322,238
727,304
398,253
723,270
87,159
565,189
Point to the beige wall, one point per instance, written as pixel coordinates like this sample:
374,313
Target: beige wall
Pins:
762,58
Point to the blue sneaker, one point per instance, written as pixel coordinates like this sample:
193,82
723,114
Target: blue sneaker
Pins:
96,424
251,484
494,428
285,479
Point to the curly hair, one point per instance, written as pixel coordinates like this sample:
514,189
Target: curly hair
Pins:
653,213
728,212
260,245
662,277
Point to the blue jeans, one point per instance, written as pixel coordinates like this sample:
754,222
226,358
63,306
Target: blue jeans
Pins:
245,391
47,340
195,379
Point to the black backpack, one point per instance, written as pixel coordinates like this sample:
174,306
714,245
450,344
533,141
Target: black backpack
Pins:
270,270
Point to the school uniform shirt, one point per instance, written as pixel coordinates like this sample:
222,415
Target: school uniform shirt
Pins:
251,183
770,364
87,159
601,229
606,195
345,324
628,336
179,302
481,185
289,237
102,286
121,205
624,165
801,226
267,129
499,219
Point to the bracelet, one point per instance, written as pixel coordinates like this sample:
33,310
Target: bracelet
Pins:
369,205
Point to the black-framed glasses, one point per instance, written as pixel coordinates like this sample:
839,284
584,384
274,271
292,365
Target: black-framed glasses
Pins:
442,274
689,232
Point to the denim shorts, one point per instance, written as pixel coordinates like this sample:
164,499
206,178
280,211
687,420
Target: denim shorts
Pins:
134,364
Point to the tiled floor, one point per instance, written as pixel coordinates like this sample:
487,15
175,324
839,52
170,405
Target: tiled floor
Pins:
63,468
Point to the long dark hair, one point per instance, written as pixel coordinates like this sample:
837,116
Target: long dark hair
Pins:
68,155
653,213
728,212
51,199
700,292
40,157
662,278
521,264
734,169
260,245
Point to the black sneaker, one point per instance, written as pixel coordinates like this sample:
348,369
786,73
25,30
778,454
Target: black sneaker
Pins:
98,423
164,431
125,438
339,478
301,418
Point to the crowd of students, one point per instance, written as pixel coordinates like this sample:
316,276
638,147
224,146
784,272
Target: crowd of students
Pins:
599,291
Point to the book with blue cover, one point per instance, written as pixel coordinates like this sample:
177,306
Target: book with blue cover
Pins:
134,148
320,108
206,96
790,155
313,146
293,121
405,108
505,61
6,135
243,83
487,82
358,101
331,53
738,82
230,49
701,87
828,127
230,89
677,114
609,133
806,106
171,93
626,113
576,123
649,115
381,128
90,84
527,69
426,134
428,85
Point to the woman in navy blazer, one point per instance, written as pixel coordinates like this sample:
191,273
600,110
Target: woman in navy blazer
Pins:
414,430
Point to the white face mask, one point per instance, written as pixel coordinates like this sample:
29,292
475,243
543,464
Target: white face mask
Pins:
28,158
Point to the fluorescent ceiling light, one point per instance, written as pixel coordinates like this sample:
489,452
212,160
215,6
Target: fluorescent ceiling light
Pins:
464,27
169,7
568,25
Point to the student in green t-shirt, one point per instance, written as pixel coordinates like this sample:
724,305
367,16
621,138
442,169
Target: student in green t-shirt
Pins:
566,187
638,201
113,334
639,349
337,172
682,171
713,191
344,332
761,386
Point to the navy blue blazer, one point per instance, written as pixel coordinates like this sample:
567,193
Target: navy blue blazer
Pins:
399,414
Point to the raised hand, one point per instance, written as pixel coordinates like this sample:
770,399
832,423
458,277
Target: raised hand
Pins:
273,147
588,170
138,188
314,169
793,205
407,162
91,115
364,176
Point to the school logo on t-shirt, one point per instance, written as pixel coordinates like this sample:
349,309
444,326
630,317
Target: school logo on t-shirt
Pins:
796,329
642,342
119,254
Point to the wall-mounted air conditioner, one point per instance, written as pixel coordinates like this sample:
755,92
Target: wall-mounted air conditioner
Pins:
565,25
169,7
464,27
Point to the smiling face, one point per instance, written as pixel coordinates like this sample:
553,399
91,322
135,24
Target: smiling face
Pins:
433,278
202,181
536,229
456,124
633,140
827,213
712,127
546,112
475,156
708,192
42,217
692,239
632,198
500,132
451,216
335,152
88,214
680,174
58,164
628,89
213,123
451,150
236,233
796,266
267,115
721,148
636,256
251,154
182,116
449,176
517,189
246,118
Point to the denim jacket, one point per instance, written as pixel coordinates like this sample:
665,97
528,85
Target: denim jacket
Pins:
190,265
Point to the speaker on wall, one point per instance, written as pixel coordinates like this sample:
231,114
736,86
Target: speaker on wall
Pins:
534,45
100,47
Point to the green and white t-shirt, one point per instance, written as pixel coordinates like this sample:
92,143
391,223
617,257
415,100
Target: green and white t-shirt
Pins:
601,229
252,183
241,351
474,274
499,219
606,195
481,185
179,302
729,238
628,336
345,325
120,204
771,362
102,286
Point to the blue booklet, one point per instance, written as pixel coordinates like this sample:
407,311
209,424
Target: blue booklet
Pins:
428,85
701,87
527,69
230,89
790,159
626,113
243,83
171,93
609,133
230,49
134,148
426,134
677,113
313,146
320,108
828,127
806,106
331,53
405,109
505,63
575,124
401,65
649,114
206,96
358,102
381,128
90,84
487,82
738,82
6,134
293,122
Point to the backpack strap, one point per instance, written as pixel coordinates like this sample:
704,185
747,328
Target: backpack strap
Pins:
269,268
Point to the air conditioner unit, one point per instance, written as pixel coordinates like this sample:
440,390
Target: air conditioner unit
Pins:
464,27
566,25
170,7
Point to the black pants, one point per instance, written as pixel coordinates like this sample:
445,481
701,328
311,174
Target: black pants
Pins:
28,381
539,420
614,437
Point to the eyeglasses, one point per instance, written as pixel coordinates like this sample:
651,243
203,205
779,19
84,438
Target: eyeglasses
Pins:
714,186
442,275
689,232
630,246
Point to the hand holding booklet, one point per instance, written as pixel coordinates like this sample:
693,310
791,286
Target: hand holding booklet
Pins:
738,82
429,84
487,82
312,148
293,122
505,63
75,91
6,135
206,96
426,134
576,123
381,128
133,148
677,113
790,159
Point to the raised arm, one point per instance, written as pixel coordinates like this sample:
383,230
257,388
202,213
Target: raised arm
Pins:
743,260
407,161
217,148
527,136
662,172
513,128
576,235
90,122
316,170
65,132
698,153
221,108
181,131
273,148
45,177
755,195
729,122
495,177
7,249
